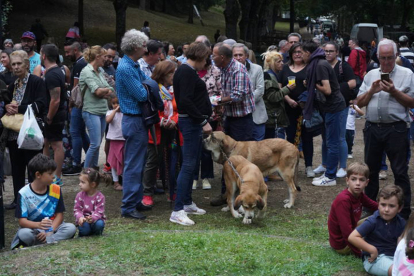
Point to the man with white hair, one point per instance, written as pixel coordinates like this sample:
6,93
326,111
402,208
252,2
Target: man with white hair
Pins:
284,47
131,93
388,93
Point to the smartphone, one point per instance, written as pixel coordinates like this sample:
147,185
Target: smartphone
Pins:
385,76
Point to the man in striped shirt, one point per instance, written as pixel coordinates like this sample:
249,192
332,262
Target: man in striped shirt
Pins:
404,50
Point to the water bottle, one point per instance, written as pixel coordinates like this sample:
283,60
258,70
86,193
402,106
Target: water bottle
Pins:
49,233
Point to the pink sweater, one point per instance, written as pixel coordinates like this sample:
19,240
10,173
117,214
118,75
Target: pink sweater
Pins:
86,206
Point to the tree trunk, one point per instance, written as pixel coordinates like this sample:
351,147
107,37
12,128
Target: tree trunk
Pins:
190,12
152,5
142,4
231,16
245,6
252,30
120,12
80,16
407,8
164,6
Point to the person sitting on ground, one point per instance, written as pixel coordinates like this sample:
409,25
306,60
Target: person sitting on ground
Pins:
40,207
346,209
146,29
377,236
404,254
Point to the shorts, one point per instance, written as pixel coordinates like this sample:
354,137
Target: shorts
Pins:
54,132
380,266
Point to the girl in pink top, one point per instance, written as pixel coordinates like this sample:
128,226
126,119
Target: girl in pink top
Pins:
89,207
404,254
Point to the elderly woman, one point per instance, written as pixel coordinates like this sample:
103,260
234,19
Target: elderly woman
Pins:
95,104
274,94
194,110
7,75
27,89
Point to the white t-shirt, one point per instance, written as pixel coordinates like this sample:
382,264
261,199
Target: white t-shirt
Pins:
350,121
402,266
115,127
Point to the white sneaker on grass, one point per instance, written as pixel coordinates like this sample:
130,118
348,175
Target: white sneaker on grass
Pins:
309,172
193,209
324,182
181,217
206,184
340,173
319,169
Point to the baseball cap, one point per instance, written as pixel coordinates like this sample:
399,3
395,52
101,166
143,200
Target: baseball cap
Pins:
29,35
403,38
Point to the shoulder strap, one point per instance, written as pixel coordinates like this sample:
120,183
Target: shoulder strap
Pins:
341,70
54,191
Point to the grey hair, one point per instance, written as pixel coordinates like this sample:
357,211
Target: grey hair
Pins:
295,34
241,45
282,43
204,39
387,42
23,55
131,40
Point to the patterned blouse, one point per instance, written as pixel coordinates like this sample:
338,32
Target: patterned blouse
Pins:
212,78
18,95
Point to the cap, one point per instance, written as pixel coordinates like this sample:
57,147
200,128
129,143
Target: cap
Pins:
29,35
403,38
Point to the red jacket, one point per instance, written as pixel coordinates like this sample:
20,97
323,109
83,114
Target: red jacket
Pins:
357,60
345,213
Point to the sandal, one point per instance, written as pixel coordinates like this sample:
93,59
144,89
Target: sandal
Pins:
117,187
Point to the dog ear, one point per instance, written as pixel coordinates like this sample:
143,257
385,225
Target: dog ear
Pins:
237,203
260,203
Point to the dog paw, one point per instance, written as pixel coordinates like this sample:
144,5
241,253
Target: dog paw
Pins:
247,221
225,209
286,201
237,215
288,205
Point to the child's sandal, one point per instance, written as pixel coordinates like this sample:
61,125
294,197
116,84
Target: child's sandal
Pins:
117,187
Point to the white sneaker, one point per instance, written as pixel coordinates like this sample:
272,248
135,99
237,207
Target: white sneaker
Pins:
309,172
324,182
195,184
206,184
319,169
180,217
340,173
383,175
350,156
193,209
316,179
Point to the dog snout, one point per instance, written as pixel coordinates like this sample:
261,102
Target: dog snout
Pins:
250,217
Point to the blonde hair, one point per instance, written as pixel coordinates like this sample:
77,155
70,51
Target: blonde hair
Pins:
23,55
270,58
91,53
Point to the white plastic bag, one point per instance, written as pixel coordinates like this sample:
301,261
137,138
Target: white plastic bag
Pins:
30,136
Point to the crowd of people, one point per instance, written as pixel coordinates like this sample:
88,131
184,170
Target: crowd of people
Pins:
306,89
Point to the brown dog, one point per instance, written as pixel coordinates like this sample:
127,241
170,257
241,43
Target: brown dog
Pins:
270,155
249,181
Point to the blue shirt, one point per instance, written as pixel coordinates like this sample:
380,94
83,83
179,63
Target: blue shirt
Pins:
34,61
129,86
381,234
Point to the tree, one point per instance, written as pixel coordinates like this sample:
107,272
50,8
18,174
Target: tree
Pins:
120,12
190,12
231,17
80,16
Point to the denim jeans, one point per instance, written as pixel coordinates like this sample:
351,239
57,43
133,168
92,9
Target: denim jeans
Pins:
349,137
259,131
192,134
343,146
96,128
280,133
136,141
88,229
330,142
392,139
80,138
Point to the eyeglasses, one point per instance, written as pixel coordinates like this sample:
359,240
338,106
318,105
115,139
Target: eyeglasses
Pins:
386,58
329,51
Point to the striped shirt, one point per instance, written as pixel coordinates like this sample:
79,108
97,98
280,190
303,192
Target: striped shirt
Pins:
235,83
145,67
129,86
384,108
408,54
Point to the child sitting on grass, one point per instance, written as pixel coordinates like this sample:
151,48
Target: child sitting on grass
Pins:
377,236
404,254
89,209
40,207
347,207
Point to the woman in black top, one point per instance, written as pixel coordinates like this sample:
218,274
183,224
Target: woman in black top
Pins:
194,109
7,75
27,89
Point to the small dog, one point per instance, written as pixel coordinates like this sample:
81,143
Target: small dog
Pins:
250,183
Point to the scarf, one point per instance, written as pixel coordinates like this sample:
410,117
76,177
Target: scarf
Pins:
311,81
165,95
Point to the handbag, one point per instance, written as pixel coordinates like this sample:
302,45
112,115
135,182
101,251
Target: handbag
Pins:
315,121
13,122
30,136
76,96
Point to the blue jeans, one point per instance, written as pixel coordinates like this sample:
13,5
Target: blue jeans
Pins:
80,138
240,128
350,135
259,132
88,229
343,146
192,134
330,142
280,132
136,141
96,128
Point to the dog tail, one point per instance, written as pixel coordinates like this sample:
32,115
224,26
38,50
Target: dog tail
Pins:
295,178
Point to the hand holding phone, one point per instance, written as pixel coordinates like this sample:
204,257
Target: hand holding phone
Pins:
385,77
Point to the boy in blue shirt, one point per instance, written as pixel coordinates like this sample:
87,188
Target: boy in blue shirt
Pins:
40,207
377,236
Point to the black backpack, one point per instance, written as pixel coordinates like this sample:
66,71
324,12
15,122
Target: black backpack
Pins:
153,104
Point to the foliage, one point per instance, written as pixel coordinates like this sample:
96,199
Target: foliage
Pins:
6,9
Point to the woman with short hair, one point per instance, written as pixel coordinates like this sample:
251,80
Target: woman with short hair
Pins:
7,75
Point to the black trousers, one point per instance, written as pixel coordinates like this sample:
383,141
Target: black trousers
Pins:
393,139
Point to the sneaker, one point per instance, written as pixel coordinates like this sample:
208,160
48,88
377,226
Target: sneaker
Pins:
350,156
147,200
193,209
206,184
74,170
181,217
319,169
57,181
325,182
309,172
383,175
107,168
316,179
195,184
340,173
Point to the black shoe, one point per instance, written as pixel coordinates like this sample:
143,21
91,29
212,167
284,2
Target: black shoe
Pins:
218,201
74,170
135,215
142,207
10,206
159,191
